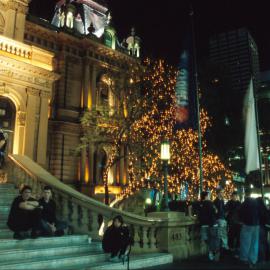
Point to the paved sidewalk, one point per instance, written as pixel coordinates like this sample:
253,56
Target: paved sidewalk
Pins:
201,263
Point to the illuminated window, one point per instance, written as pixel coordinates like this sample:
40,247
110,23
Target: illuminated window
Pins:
2,112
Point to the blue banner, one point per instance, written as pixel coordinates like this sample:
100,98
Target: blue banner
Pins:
185,111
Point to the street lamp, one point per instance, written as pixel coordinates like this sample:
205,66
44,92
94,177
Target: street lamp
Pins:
165,157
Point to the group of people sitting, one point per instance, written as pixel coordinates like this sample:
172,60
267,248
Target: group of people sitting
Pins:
38,217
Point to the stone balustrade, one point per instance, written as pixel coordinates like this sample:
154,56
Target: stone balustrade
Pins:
15,47
27,53
159,232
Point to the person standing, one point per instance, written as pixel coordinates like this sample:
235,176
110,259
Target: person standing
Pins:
209,227
249,235
222,223
234,225
263,254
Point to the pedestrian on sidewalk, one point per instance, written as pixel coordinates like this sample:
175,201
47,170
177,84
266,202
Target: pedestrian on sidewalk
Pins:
249,235
263,255
234,224
221,221
209,227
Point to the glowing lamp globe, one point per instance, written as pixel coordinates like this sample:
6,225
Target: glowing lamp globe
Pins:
165,150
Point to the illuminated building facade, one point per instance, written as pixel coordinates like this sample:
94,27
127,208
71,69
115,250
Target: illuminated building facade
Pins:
264,109
78,48
26,84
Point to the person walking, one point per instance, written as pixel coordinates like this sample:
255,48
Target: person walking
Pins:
234,226
209,227
264,220
222,223
249,235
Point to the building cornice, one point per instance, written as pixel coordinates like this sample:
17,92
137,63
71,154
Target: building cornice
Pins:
16,72
86,43
21,6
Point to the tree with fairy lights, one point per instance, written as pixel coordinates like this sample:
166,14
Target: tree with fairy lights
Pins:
157,122
111,128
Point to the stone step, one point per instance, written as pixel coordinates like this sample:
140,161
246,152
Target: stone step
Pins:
6,244
4,210
6,234
46,252
142,261
7,186
3,224
70,262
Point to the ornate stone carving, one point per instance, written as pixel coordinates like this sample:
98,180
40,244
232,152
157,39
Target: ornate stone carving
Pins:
32,91
3,89
21,117
45,94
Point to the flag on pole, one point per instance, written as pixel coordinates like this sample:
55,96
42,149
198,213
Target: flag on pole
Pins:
251,139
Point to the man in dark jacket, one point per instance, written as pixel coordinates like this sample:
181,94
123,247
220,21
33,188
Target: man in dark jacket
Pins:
264,221
117,240
249,235
222,223
232,214
24,214
49,225
209,227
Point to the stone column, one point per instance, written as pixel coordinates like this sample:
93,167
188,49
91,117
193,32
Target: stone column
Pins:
94,84
43,128
87,99
82,168
91,165
15,19
30,126
19,139
9,30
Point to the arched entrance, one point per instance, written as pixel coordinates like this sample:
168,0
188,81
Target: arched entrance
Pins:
7,120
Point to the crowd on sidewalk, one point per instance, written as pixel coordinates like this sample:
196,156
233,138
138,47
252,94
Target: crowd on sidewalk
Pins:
239,228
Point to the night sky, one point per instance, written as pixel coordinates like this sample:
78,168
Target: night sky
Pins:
163,24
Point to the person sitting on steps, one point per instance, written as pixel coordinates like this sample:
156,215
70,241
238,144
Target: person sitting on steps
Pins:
24,214
49,224
117,240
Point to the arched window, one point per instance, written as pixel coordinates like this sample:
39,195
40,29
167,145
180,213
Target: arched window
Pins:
7,119
108,39
105,92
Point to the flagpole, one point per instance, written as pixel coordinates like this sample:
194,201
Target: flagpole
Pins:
197,100
258,136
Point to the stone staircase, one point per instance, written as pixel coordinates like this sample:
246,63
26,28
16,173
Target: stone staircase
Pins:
74,252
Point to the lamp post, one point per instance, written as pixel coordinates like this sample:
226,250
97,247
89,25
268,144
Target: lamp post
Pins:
165,157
